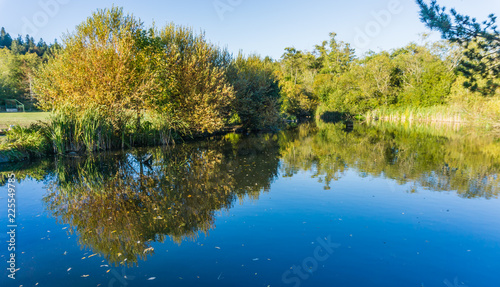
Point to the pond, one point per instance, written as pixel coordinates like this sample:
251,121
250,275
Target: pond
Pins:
319,205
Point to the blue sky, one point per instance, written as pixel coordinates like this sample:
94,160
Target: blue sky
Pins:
253,26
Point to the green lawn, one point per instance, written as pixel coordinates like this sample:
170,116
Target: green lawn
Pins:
23,119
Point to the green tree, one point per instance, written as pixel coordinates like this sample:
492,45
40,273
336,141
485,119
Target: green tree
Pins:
5,39
257,102
480,41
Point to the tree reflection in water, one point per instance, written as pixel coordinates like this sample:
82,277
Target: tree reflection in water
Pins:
118,205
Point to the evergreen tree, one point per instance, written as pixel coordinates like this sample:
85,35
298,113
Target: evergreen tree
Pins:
480,40
5,39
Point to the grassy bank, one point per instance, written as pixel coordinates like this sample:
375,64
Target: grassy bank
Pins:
21,119
477,114
445,114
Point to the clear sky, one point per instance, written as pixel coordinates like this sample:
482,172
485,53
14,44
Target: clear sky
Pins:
263,27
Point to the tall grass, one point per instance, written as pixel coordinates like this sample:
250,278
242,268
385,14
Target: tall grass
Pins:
481,112
98,129
449,114
26,142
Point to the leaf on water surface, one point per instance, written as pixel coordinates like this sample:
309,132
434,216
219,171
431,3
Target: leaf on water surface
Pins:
85,276
151,278
68,269
217,247
255,259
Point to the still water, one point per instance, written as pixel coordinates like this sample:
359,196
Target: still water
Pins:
319,205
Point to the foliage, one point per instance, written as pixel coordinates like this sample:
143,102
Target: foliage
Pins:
26,142
19,58
257,92
191,85
116,83
481,43
296,80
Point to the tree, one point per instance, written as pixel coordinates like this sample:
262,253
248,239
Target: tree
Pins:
5,39
100,79
334,56
257,92
296,79
480,41
192,85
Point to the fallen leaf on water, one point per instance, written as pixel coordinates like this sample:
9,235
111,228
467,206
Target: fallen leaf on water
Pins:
108,271
255,259
83,258
68,269
85,276
151,278
217,247
92,255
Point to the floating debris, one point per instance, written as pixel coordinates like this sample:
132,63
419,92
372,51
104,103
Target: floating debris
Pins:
85,276
151,278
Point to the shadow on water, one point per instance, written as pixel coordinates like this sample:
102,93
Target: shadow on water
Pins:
118,205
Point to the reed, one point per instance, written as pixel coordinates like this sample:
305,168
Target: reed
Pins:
444,114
